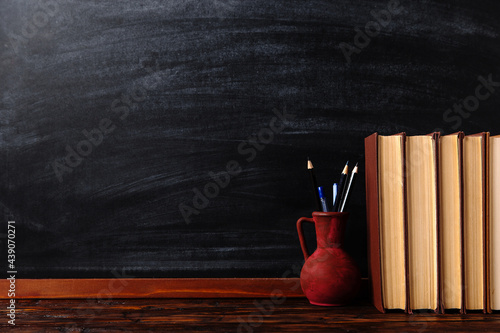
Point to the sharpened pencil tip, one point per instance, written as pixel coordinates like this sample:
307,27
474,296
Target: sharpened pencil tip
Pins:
346,168
309,164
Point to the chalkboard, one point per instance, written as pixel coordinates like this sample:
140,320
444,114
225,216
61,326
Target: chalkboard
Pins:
170,138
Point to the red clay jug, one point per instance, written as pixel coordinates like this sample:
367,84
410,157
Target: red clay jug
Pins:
329,276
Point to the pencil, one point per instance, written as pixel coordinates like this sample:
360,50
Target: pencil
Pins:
341,187
314,185
349,188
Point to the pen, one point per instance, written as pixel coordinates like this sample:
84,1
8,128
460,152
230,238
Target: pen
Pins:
349,188
335,190
314,184
322,198
341,187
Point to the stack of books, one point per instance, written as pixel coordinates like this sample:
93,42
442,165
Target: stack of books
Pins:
433,214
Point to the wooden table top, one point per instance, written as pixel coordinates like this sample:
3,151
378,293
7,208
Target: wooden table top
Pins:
227,315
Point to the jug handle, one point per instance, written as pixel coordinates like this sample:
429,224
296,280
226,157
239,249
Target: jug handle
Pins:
301,235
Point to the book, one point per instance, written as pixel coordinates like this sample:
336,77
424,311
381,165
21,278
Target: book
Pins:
422,221
494,223
385,201
474,224
433,219
451,221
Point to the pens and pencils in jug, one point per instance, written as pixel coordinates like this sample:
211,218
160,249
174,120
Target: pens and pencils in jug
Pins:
341,191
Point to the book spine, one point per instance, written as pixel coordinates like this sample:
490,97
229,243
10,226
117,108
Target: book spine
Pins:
372,218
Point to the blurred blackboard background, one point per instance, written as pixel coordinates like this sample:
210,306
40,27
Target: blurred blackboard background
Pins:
114,114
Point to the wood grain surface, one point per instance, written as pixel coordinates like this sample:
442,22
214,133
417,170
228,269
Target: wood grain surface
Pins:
229,315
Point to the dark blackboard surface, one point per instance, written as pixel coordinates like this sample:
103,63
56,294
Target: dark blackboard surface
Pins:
181,89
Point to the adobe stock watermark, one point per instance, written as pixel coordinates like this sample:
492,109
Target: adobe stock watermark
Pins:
372,29
94,137
11,271
47,11
266,307
86,309
249,149
464,107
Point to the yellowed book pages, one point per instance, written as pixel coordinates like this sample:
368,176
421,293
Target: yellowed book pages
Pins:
421,196
391,220
494,177
473,223
450,215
